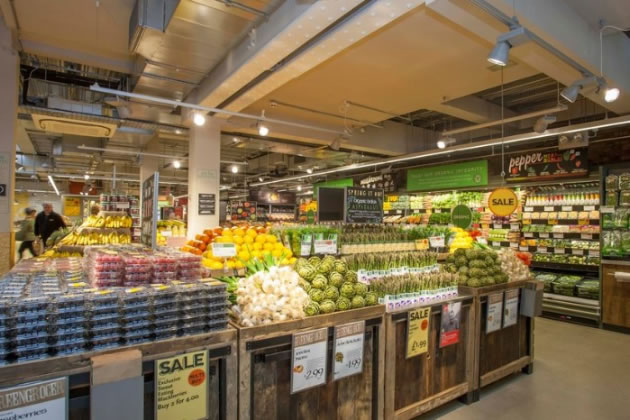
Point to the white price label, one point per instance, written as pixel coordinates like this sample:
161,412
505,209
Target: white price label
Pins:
482,241
325,246
495,243
607,210
548,208
510,313
498,226
528,209
528,235
578,252
513,244
348,349
166,233
305,245
543,235
589,208
223,250
495,311
437,211
567,208
586,236
309,359
542,249
436,241
558,235
515,227
593,253
558,250
524,248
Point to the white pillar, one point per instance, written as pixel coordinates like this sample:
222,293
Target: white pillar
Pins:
9,71
204,173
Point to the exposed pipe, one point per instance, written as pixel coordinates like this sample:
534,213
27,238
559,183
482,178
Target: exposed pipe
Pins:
206,109
157,155
379,110
232,3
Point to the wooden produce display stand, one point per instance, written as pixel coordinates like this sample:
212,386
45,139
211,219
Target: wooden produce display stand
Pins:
421,383
505,351
265,354
80,369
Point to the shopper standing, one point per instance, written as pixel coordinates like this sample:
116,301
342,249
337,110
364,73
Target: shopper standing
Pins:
47,222
26,234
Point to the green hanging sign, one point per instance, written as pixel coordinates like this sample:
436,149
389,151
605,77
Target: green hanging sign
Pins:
442,177
461,216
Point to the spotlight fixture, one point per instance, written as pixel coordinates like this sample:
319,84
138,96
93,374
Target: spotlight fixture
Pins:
177,164
299,188
261,179
199,119
309,171
263,130
178,131
501,52
86,176
570,93
234,169
609,94
447,141
235,139
543,122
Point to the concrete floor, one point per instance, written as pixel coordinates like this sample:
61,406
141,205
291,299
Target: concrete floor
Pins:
579,373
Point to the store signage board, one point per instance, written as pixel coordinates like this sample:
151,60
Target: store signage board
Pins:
461,216
539,166
309,359
335,183
510,313
45,400
306,244
243,210
364,205
418,323
449,325
348,349
437,241
72,206
150,210
503,202
456,175
207,204
223,250
181,387
387,182
494,312
272,197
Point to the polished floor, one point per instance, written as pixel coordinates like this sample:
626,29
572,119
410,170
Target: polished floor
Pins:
580,373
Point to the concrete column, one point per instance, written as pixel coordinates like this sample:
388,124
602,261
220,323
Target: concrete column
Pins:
204,173
9,82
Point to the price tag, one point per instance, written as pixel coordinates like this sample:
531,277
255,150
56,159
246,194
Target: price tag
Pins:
528,209
524,248
494,243
583,222
593,253
607,210
438,211
325,246
552,221
515,227
543,235
422,244
494,314
558,250
498,226
305,245
528,235
542,249
348,349
309,359
558,235
482,241
527,221
418,323
166,233
510,313
578,252
589,208
436,241
513,244
548,208
567,208
223,250
586,236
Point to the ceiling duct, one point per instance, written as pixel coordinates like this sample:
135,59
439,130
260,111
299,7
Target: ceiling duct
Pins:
75,127
149,18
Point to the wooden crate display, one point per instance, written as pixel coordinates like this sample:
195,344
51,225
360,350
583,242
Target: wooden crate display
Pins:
265,372
505,351
222,358
416,385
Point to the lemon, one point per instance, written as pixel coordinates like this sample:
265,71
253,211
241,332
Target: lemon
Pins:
251,233
260,239
268,247
278,246
272,238
249,239
244,256
258,246
239,232
276,253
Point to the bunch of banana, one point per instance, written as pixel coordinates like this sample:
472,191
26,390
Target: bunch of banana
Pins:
118,222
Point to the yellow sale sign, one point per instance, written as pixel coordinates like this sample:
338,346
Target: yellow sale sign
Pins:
503,202
181,387
418,331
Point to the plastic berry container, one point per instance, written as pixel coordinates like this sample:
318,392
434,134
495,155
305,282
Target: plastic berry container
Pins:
103,343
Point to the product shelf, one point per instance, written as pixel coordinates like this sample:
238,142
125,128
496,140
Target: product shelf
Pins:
574,268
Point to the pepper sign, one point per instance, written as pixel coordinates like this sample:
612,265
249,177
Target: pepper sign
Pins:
503,202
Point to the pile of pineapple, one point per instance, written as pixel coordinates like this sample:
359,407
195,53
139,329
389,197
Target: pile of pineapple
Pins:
331,286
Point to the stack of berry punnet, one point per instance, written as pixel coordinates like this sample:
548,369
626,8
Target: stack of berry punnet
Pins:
104,319
68,324
164,268
135,315
104,267
188,266
164,311
138,269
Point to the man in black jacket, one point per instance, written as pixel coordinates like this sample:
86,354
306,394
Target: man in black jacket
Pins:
47,222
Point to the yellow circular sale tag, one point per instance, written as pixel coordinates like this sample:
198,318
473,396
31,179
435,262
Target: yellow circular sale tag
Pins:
503,202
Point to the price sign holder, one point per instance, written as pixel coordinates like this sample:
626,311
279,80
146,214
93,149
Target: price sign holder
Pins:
437,241
494,312
309,359
418,325
510,312
348,349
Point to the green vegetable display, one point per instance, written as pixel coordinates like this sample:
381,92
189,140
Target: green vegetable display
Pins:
368,262
484,267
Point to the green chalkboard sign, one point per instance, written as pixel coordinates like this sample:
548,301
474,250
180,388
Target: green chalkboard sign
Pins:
335,183
461,216
364,205
455,175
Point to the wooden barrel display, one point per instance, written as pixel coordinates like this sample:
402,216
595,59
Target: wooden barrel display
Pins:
417,384
265,371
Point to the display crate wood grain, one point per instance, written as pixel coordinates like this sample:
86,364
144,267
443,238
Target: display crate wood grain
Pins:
505,351
223,363
265,372
419,384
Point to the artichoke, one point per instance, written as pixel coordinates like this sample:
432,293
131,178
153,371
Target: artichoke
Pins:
325,267
351,276
305,285
360,289
327,306
311,309
474,282
316,295
319,282
343,304
347,290
358,302
371,298
329,259
340,266
331,293
307,272
335,279
462,279
460,252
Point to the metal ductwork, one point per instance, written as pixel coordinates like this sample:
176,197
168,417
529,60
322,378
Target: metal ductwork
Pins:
149,18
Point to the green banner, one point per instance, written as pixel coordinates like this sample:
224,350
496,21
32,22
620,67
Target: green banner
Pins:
455,175
335,183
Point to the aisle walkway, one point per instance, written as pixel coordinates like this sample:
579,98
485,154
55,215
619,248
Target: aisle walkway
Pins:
580,373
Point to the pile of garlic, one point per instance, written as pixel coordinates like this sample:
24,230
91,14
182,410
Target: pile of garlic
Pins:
513,266
270,296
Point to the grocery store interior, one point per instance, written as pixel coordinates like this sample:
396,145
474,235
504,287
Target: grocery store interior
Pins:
314,209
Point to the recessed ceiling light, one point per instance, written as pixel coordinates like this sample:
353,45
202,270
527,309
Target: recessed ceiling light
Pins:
263,130
309,171
86,176
234,169
299,188
199,119
177,164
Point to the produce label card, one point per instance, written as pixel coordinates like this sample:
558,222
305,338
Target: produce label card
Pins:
449,328
348,349
325,246
510,314
494,313
47,400
305,245
309,359
181,387
418,323
223,250
437,241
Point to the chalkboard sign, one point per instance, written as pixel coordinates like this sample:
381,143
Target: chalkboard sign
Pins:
207,204
364,205
330,205
150,209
